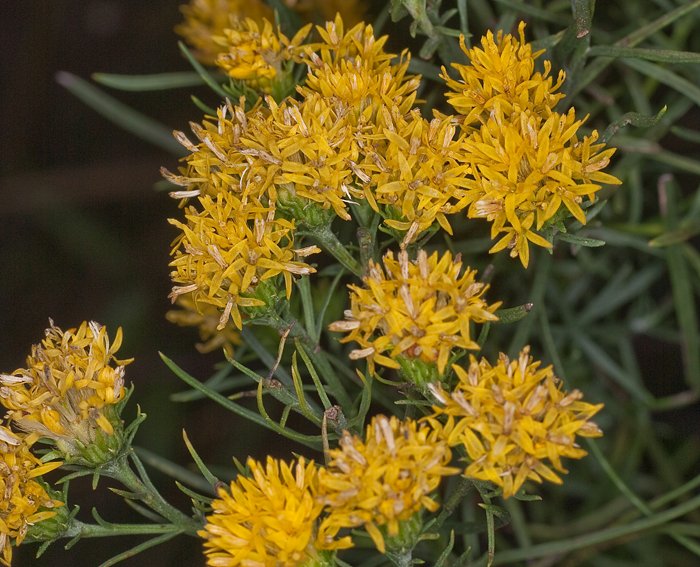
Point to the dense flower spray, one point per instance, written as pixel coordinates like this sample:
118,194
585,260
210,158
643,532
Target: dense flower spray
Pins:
514,420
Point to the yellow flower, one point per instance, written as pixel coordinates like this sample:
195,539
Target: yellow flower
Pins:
206,318
420,176
357,77
216,164
419,309
384,480
274,153
227,249
352,11
260,57
502,73
207,19
514,420
525,168
25,502
270,519
302,149
70,391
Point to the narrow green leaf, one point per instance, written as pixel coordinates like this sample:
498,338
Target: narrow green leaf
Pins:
206,473
148,544
597,66
157,82
324,306
536,12
556,548
513,314
686,313
679,162
320,390
598,357
657,55
580,240
207,77
634,119
583,14
174,470
686,134
666,77
687,231
623,287
218,398
122,115
307,303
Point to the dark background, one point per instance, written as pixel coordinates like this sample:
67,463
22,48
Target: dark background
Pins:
84,235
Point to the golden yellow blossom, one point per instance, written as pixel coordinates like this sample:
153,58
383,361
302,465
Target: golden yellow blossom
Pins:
354,72
215,163
420,309
206,318
385,479
227,249
420,176
525,168
70,390
259,55
24,501
514,420
352,11
270,519
275,153
502,73
207,19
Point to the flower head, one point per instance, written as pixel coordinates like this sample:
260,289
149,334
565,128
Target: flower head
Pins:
502,73
514,420
207,19
216,163
206,318
269,519
420,309
259,55
420,174
525,168
225,251
25,502
70,391
357,76
385,479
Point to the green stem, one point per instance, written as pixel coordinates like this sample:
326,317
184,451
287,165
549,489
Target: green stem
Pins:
330,243
464,487
119,469
80,529
297,331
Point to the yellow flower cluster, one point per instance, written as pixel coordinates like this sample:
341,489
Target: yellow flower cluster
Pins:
514,421
354,134
70,389
290,514
270,519
257,54
24,501
527,160
227,249
207,23
205,20
420,309
384,479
